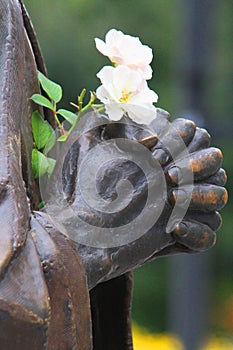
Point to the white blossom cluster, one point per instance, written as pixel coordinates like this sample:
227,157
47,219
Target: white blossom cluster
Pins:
124,88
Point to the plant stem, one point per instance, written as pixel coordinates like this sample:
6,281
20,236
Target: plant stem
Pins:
79,116
80,113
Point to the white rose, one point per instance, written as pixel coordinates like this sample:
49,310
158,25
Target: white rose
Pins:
123,90
126,50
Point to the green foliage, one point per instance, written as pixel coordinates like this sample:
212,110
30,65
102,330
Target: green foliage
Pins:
42,101
41,164
41,131
50,143
43,134
69,116
41,205
44,139
62,138
53,90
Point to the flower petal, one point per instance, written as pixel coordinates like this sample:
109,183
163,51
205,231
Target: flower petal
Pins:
114,111
124,90
142,114
113,36
146,72
126,50
102,94
144,96
101,46
106,76
127,79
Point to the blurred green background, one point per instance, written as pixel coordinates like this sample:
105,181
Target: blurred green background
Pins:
66,32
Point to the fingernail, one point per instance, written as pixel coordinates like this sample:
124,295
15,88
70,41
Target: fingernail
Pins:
180,197
175,175
161,156
219,178
181,229
149,141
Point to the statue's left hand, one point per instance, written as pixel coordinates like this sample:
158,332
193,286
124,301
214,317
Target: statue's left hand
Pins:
180,150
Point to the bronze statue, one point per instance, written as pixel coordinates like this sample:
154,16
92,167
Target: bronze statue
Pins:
56,293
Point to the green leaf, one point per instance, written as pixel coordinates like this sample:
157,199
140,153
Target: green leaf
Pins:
53,90
41,164
69,116
51,163
42,101
62,138
50,143
41,205
41,130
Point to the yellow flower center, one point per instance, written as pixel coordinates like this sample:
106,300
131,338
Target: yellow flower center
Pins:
125,96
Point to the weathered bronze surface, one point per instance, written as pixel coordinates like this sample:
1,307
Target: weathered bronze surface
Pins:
58,294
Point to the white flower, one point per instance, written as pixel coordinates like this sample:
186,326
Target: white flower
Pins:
126,50
124,90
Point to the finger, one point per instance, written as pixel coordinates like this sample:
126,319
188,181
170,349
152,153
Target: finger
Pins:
177,134
219,178
201,164
204,197
213,219
163,114
185,128
194,235
161,122
200,140
174,140
161,155
149,136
